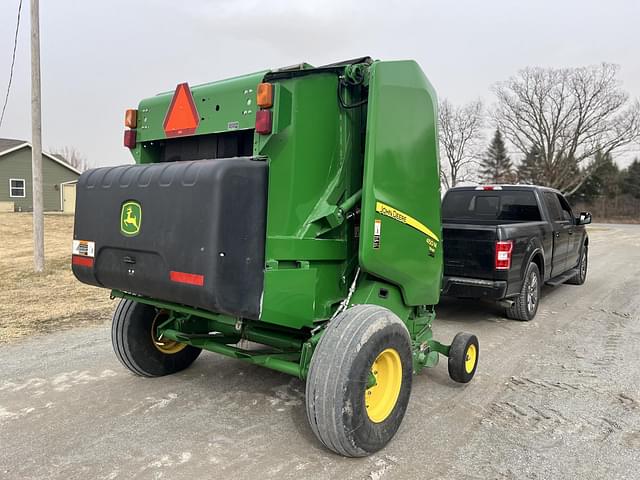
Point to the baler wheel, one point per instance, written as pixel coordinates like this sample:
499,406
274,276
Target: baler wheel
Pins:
463,357
359,381
136,345
165,346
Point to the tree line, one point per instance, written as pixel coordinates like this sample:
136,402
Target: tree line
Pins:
562,125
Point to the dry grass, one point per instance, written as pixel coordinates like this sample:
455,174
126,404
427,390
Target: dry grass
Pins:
38,303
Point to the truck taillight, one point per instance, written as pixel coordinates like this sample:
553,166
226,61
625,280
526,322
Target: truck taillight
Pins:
131,118
503,255
263,122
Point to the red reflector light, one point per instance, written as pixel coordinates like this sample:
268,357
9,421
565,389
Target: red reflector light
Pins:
263,122
489,187
130,138
82,261
503,255
188,278
182,116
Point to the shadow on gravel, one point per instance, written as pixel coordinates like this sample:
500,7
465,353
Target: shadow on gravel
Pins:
469,311
246,386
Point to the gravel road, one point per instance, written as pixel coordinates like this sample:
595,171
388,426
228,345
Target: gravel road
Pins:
555,398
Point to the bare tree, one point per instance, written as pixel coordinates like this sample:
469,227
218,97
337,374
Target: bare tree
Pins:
72,156
460,136
566,115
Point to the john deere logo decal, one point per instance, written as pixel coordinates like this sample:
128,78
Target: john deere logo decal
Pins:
130,218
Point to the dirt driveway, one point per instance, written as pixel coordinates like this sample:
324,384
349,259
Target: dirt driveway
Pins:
555,398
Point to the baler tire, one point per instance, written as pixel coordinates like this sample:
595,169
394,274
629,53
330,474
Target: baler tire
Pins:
133,344
520,310
580,277
463,357
338,378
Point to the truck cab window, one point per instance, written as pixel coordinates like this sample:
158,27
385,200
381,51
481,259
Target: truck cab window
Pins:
486,205
490,206
567,214
553,205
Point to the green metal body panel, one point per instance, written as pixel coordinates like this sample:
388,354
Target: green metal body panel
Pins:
401,171
312,168
223,106
344,139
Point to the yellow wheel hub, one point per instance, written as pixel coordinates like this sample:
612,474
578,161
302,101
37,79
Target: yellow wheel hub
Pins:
381,398
470,358
168,347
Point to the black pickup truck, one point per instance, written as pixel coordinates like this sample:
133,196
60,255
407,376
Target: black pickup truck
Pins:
502,242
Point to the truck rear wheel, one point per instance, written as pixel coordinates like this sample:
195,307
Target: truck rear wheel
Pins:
135,343
525,305
359,381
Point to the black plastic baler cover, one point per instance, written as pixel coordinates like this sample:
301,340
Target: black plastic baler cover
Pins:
190,232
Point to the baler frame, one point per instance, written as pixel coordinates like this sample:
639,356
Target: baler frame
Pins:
291,350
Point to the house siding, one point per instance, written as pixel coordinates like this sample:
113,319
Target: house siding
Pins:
17,164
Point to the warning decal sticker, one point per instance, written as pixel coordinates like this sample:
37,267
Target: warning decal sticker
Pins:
377,227
84,248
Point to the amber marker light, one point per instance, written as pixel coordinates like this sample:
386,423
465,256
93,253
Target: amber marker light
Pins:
131,118
265,95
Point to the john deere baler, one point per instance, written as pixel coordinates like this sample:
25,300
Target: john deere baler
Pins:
298,209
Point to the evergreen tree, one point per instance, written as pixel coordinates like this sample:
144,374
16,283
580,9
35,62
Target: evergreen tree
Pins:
530,170
631,179
496,166
604,180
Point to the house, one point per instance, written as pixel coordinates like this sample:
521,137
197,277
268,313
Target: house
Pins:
59,179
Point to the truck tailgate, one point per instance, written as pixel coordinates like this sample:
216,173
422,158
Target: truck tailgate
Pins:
469,250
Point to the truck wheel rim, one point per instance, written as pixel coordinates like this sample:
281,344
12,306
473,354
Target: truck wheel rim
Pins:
168,347
583,265
470,358
381,398
532,294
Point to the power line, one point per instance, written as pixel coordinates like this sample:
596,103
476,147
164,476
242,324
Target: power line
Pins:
13,62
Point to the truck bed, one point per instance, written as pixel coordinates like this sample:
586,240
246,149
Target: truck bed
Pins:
470,253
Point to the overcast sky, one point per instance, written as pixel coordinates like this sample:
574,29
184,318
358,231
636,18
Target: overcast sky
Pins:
99,58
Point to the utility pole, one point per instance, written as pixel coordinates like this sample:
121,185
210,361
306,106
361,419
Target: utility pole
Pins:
36,142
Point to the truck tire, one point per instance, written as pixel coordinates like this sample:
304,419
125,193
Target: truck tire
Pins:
526,303
136,346
346,416
580,277
463,357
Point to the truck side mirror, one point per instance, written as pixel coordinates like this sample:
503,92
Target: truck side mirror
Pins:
584,218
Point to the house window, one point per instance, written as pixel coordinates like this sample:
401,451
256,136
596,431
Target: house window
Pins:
17,188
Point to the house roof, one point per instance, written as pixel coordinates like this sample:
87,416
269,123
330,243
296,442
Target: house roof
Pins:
8,145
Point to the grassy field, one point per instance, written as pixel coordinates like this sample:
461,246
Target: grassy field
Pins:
39,303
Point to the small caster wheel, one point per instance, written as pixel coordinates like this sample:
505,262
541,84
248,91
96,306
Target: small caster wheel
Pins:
463,357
